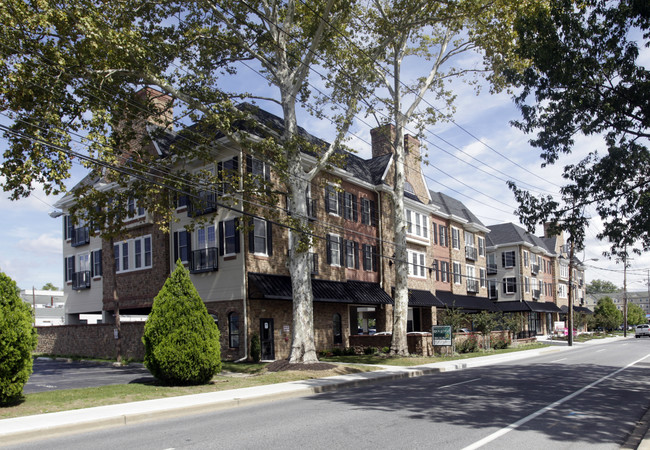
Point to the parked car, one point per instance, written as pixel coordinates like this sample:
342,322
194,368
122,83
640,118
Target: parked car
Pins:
642,330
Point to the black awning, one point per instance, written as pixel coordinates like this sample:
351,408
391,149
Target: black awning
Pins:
423,298
278,287
565,309
513,306
543,307
465,302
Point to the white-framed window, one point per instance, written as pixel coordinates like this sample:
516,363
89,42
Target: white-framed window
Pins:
369,257
561,291
533,284
230,237
350,206
96,262
455,238
508,259
457,275
368,212
260,237
206,237
469,239
351,254
493,291
481,246
334,254
333,200
526,284
509,285
564,270
416,264
444,271
135,211
417,224
443,236
133,254
526,258
483,277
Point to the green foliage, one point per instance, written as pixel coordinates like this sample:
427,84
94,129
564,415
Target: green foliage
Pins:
454,317
180,338
635,314
17,341
484,323
256,348
469,345
369,350
600,90
385,350
512,322
50,287
601,287
500,343
606,314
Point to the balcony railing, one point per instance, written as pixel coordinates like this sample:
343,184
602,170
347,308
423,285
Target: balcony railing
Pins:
491,269
472,285
205,204
80,236
536,294
534,269
81,280
205,260
471,253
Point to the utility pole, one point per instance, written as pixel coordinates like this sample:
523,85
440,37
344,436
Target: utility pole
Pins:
625,292
570,314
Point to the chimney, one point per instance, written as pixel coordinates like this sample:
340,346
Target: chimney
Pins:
160,102
382,140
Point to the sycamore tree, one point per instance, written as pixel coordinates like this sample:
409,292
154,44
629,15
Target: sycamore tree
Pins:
70,72
434,37
601,287
586,78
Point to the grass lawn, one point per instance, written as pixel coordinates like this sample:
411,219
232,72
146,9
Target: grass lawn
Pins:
233,376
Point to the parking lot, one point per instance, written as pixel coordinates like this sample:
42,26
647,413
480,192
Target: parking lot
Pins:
51,375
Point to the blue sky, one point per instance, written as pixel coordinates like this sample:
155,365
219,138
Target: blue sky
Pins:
31,241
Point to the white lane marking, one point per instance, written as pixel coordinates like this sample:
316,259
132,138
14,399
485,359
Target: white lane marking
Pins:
558,360
456,384
520,422
601,350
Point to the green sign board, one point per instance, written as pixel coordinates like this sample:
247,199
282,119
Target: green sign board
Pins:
441,334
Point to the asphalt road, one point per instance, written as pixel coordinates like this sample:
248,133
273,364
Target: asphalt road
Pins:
590,397
50,375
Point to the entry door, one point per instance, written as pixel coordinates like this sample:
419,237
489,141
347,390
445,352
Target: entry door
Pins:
266,339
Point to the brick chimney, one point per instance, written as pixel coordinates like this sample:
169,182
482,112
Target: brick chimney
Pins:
382,140
160,102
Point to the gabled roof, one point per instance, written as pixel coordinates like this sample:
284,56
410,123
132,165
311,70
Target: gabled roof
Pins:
509,233
453,207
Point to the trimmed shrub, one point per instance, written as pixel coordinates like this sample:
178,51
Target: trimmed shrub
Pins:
500,343
17,341
256,348
180,338
370,350
469,345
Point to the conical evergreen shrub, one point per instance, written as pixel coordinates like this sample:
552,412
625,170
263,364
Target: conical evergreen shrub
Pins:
17,341
180,338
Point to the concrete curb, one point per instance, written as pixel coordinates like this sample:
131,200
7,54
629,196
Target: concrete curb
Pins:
29,428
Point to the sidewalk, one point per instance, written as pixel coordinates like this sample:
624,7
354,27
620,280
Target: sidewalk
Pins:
22,429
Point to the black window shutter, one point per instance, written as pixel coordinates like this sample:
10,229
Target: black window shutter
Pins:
340,205
344,252
514,287
249,163
503,259
221,238
327,198
365,255
269,238
101,263
375,260
234,163
328,242
251,236
65,269
355,213
188,241
373,214
175,246
505,286
236,232
267,172
356,255
434,232
341,253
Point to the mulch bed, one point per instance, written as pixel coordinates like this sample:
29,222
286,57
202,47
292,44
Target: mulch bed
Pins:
278,366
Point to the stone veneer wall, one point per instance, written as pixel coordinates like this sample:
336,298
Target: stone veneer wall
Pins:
91,341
